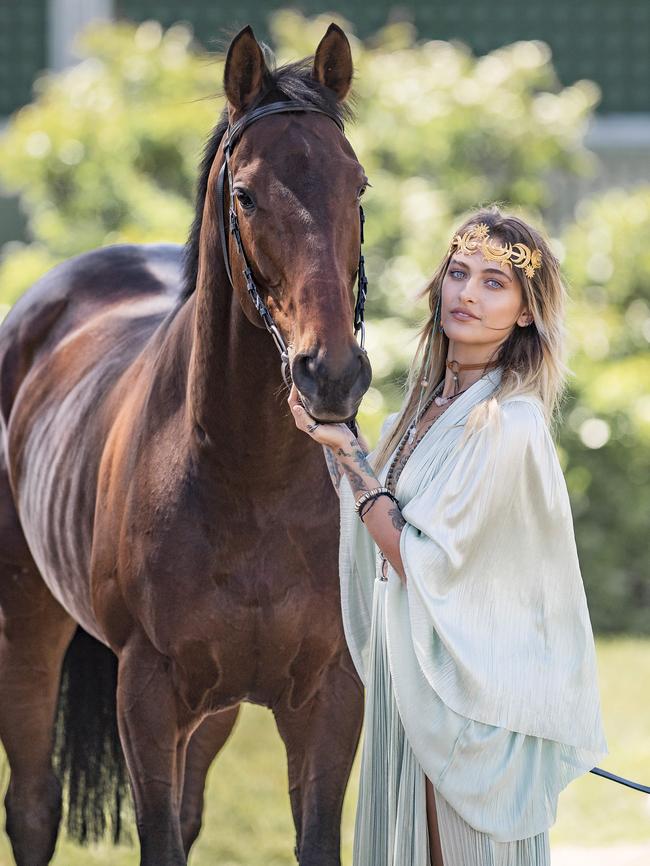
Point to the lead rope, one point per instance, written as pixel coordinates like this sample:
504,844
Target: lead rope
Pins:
621,780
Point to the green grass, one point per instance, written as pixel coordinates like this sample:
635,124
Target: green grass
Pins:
248,819
592,810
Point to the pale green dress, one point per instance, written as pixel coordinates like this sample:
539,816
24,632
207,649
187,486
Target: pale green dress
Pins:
480,673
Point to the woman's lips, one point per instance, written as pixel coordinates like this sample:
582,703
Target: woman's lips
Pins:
464,317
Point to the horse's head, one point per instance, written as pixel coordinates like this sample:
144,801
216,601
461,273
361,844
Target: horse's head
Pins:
295,183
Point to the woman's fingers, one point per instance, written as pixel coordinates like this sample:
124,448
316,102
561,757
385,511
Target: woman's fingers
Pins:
324,434
294,397
300,415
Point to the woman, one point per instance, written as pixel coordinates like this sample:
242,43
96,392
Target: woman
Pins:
462,599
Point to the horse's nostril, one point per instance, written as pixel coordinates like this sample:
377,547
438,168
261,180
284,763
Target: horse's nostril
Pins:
303,369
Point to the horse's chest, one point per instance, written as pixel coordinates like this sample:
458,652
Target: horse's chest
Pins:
248,636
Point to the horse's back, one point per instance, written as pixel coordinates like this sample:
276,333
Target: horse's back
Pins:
143,281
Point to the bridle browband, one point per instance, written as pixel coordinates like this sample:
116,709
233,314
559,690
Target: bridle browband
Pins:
231,137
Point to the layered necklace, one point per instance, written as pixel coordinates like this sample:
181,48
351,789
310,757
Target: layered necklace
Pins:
400,458
435,397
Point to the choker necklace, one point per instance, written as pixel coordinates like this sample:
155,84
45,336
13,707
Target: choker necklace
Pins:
456,367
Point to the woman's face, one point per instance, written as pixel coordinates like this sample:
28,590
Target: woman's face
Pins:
489,292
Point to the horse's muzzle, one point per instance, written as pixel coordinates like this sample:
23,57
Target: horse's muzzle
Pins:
331,392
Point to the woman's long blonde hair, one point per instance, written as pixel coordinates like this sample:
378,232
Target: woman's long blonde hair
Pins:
532,358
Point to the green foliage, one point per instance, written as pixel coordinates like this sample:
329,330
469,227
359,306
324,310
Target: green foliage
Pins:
21,266
108,152
607,435
109,149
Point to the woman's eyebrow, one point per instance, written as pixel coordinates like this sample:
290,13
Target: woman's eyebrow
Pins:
484,271
497,271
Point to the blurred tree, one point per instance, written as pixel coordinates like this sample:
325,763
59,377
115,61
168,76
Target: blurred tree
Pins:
606,439
108,152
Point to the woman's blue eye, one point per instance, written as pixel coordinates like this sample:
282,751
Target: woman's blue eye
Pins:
460,274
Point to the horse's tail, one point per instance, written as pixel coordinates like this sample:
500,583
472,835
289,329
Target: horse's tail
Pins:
88,756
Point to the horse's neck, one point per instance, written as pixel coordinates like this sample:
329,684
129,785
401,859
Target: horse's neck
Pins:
236,396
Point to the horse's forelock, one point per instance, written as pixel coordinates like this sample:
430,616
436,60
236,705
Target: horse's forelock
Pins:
292,81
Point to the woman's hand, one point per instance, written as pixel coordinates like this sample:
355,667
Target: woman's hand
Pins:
384,521
335,435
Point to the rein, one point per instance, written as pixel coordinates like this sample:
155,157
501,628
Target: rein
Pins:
232,136
637,786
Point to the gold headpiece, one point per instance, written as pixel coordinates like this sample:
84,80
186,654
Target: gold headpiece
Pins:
477,239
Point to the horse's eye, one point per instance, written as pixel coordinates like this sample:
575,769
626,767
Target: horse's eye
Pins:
362,191
245,199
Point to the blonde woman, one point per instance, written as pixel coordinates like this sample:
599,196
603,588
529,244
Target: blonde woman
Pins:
462,598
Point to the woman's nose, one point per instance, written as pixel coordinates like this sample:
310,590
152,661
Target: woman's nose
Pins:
467,291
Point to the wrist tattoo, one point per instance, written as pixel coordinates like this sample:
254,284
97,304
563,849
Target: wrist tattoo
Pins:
332,466
357,482
358,457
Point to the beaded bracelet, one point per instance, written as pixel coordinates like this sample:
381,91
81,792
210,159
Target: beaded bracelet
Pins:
373,494
365,508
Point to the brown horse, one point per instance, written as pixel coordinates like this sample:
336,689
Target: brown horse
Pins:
158,504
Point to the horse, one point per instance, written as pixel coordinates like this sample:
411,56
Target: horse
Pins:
168,539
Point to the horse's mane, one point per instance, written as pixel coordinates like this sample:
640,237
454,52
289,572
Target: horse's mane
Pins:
292,81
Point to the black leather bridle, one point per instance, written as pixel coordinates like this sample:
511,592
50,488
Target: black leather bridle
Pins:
231,137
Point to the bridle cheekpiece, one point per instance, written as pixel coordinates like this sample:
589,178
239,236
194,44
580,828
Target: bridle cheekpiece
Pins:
231,138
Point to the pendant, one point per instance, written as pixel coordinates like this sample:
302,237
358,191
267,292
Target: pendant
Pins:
441,401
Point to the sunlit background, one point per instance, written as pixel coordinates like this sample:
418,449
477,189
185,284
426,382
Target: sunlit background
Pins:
544,108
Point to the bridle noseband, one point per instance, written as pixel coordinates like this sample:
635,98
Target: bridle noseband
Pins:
231,137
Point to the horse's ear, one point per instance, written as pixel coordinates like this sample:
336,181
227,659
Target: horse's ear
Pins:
245,71
333,62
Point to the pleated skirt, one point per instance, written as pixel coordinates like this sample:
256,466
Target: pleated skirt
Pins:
391,821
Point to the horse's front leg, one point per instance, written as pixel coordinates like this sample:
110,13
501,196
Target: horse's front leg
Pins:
205,744
321,738
154,729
